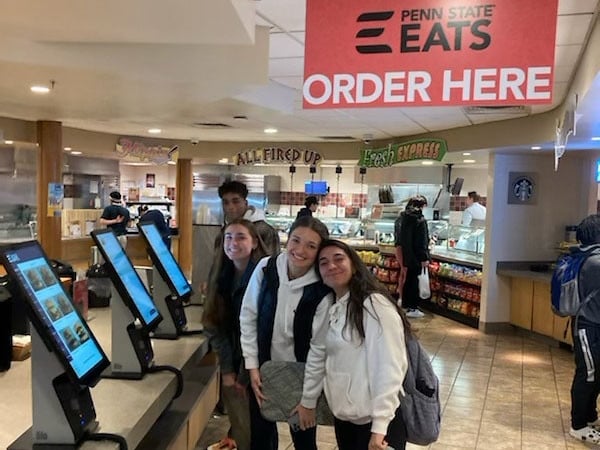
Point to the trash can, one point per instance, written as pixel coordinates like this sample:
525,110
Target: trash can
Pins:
99,286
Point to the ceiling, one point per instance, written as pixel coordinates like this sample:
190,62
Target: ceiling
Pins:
193,68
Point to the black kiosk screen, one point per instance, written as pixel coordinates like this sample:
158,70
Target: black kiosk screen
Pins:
54,315
164,260
128,279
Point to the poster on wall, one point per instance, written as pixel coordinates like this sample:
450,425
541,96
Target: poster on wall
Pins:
150,180
375,53
56,196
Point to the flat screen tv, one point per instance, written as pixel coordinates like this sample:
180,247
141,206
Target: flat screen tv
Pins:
164,261
316,187
598,171
126,280
457,186
51,310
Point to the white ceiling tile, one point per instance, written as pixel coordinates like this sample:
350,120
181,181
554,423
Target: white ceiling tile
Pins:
281,45
288,14
562,73
566,55
293,82
576,6
286,67
572,29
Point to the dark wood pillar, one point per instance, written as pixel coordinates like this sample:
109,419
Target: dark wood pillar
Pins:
50,161
184,190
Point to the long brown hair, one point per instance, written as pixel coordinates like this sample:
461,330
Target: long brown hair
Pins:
362,284
214,312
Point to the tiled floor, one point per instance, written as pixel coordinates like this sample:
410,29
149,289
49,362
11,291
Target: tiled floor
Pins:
497,392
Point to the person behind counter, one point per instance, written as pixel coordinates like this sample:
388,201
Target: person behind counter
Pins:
412,252
310,206
158,218
474,214
116,217
365,361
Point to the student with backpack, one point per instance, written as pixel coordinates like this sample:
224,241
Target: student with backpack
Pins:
283,317
585,425
365,359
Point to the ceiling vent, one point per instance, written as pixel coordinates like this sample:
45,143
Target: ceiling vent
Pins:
211,125
337,138
519,109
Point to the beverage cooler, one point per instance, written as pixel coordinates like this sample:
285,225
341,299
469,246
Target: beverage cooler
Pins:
207,213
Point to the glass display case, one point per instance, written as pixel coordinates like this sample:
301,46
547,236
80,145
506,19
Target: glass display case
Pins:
338,228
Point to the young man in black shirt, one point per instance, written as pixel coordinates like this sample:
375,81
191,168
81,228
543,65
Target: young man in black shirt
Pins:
116,217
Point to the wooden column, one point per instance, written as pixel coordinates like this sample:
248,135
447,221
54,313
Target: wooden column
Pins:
184,213
50,161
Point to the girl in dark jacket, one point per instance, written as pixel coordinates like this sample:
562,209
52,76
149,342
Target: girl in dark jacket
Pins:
240,250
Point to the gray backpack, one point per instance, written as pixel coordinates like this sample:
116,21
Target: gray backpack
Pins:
420,410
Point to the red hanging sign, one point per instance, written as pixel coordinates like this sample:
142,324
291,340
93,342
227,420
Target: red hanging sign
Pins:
374,53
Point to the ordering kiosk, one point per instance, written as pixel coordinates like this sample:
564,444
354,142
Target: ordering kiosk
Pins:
134,316
170,288
66,359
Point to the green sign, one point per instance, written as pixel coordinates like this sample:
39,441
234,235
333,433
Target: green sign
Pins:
428,149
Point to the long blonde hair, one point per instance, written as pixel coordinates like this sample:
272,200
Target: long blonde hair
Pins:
214,311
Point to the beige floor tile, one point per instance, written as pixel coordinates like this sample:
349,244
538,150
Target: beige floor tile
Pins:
326,435
468,391
473,412
550,436
457,438
459,401
498,443
510,419
542,422
439,446
513,407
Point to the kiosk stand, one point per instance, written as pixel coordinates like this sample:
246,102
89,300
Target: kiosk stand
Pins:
132,353
169,306
63,411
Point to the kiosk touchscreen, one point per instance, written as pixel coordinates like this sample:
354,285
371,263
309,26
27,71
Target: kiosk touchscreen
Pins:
136,306
170,287
66,357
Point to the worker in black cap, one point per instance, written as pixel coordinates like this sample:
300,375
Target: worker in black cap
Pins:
116,217
310,206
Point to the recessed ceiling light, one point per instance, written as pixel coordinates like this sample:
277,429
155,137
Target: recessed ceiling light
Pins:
40,89
154,131
427,163
536,147
171,162
9,142
466,153
68,149
270,130
224,160
75,153
469,161
596,138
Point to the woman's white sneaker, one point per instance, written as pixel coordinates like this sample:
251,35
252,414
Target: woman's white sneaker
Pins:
586,434
414,314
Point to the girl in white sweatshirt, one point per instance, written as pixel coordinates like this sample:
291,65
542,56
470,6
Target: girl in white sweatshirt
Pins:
365,359
284,318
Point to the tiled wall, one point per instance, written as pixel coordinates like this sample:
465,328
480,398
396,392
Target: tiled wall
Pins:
459,203
297,198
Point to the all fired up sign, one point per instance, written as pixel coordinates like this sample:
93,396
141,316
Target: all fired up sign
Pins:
373,53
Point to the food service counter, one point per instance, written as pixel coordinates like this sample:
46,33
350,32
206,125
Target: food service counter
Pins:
139,410
530,302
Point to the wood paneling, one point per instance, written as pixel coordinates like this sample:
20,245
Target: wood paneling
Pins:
521,299
542,316
184,214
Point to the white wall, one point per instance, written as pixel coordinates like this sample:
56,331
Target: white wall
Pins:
475,180
135,176
530,232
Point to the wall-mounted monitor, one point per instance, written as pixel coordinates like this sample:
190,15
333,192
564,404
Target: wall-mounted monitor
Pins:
457,186
52,313
598,171
126,280
316,187
164,261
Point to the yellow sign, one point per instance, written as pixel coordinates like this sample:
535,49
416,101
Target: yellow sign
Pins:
277,155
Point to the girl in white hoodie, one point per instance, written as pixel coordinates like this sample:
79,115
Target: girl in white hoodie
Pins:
365,359
284,318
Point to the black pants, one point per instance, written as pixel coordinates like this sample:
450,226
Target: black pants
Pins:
410,291
263,433
356,437
586,381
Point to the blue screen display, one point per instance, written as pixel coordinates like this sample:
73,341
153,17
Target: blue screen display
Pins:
52,305
137,292
315,187
598,171
165,259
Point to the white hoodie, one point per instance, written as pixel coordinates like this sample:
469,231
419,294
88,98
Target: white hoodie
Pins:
363,379
282,344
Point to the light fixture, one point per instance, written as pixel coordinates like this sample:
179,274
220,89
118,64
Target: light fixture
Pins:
75,153
469,161
536,147
38,89
172,163
154,131
224,160
9,142
466,153
68,149
596,138
270,130
427,163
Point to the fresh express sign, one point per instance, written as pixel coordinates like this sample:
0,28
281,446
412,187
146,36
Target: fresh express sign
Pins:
373,53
